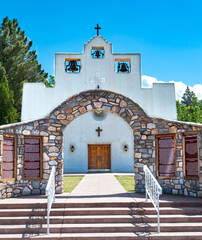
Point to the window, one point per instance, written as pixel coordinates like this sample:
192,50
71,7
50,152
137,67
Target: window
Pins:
32,158
191,163
72,65
9,158
122,65
97,52
165,156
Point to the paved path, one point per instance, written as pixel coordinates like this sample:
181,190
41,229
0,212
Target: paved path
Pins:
102,187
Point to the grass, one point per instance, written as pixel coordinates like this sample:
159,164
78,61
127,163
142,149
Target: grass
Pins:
70,183
128,182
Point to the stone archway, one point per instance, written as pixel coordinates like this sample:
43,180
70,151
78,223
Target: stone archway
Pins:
51,130
104,100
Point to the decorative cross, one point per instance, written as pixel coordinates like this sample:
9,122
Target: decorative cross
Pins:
98,29
97,79
98,131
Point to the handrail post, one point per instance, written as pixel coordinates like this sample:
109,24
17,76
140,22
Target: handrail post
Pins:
48,229
146,186
158,218
50,192
152,190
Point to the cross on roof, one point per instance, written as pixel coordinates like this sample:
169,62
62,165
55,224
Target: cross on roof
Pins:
98,131
98,28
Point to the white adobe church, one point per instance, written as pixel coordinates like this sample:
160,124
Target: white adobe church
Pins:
98,140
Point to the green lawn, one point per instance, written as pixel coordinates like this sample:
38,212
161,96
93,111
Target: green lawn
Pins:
70,183
127,182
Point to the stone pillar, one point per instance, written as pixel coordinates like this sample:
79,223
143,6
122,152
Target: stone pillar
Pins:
52,155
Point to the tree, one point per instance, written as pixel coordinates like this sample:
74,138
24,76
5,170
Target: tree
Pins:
200,104
18,60
189,109
182,112
50,82
187,98
196,113
8,113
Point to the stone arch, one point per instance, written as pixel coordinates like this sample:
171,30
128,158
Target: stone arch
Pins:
93,100
118,104
51,130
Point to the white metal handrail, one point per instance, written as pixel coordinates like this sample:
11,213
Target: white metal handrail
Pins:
153,190
50,193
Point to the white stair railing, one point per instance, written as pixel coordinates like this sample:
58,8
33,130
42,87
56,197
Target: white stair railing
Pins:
153,190
50,193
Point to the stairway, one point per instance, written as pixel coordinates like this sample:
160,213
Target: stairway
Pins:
179,220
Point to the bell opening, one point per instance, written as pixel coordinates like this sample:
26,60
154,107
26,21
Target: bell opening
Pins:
123,67
73,66
98,53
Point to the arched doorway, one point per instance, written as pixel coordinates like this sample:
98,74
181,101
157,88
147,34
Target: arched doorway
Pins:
102,100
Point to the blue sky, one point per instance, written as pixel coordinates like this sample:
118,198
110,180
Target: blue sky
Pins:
168,33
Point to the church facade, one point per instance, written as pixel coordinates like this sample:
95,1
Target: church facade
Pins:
98,68
99,118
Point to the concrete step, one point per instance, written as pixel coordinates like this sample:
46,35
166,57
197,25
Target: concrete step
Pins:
97,204
108,236
101,227
101,219
110,220
65,212
170,210
99,211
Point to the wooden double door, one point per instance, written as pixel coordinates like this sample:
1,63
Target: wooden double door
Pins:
99,157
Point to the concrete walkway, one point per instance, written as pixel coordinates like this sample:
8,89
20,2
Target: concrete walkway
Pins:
100,187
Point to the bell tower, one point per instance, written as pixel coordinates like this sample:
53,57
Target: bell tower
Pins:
97,67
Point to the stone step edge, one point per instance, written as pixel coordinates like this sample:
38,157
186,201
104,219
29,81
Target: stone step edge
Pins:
111,236
105,216
101,209
90,211
101,212
87,225
100,204
89,217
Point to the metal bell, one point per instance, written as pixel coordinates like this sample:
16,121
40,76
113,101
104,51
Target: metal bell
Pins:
124,67
97,54
73,66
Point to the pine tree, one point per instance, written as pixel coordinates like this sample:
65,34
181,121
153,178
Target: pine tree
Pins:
200,104
189,109
187,98
195,111
50,82
8,113
182,112
18,60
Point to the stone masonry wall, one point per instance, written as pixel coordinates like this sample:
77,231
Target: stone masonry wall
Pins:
144,128
145,153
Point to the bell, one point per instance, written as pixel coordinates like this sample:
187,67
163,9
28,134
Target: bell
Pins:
97,54
124,67
73,66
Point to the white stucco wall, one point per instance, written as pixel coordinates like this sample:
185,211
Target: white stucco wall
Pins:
81,132
38,100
